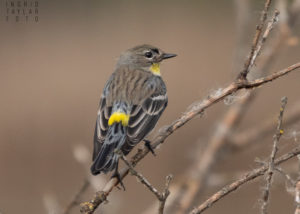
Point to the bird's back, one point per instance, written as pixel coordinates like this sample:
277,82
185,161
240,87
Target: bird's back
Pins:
126,94
129,85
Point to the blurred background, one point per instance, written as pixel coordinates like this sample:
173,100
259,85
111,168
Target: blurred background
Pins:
52,73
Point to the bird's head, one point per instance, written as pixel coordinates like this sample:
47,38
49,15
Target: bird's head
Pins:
146,57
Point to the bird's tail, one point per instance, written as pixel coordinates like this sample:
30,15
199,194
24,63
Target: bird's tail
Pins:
107,159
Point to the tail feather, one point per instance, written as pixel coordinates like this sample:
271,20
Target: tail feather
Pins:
106,159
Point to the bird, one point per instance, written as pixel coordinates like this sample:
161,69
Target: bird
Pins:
132,101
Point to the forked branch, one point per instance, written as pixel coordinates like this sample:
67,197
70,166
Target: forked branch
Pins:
197,108
243,180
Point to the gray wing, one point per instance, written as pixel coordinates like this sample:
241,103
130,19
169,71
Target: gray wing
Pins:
101,127
143,119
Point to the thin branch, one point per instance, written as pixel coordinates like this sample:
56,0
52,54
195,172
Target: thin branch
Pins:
269,78
270,172
286,176
198,108
173,198
259,45
165,195
245,179
76,200
252,56
141,178
162,197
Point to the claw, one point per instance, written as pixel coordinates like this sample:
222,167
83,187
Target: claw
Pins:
118,176
148,145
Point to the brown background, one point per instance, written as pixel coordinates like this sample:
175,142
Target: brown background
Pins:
52,74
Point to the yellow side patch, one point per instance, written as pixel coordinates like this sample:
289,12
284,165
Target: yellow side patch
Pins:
155,69
118,117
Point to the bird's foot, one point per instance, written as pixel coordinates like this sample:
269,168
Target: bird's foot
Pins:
148,145
117,175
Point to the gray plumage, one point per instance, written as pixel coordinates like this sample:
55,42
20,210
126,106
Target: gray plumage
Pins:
135,90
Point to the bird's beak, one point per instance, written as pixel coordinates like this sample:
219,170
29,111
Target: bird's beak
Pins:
168,55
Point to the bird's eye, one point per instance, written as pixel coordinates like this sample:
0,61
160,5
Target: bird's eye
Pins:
148,54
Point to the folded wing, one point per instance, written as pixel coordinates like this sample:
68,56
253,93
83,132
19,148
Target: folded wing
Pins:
143,119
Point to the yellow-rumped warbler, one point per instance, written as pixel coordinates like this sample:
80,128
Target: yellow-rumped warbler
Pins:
132,101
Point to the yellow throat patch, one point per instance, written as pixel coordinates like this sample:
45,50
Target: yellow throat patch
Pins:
155,69
118,117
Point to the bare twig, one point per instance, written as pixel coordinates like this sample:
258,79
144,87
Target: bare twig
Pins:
77,197
141,178
260,43
162,197
174,189
269,78
287,177
245,179
270,172
252,56
89,207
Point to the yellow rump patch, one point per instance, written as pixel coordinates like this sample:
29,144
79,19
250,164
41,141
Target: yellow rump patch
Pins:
118,117
155,69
